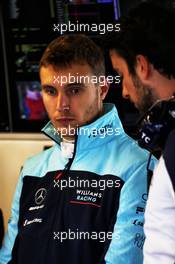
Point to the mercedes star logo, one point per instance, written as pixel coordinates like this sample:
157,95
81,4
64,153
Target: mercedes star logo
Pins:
40,195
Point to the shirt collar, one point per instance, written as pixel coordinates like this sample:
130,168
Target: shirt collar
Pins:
98,132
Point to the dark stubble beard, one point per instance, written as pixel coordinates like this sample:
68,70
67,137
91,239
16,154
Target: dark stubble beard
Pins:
146,95
91,113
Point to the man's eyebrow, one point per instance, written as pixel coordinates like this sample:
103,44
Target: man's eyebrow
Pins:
75,84
43,86
66,86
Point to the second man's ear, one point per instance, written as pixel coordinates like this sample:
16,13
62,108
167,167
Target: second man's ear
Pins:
104,90
142,67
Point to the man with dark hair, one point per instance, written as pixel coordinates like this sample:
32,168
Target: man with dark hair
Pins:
81,201
143,53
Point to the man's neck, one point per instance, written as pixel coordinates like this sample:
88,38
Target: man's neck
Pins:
68,139
163,86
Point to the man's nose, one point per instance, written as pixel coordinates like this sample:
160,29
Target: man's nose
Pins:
62,102
125,93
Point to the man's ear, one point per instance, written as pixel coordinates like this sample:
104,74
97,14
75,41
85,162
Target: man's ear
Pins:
142,67
104,89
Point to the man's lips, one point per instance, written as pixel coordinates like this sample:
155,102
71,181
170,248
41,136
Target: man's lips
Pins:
64,119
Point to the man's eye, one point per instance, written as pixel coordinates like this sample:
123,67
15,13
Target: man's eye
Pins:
50,91
120,74
74,91
121,78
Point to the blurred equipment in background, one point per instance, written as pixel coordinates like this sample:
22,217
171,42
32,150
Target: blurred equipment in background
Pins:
27,26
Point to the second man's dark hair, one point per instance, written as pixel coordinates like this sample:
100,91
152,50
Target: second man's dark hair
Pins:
148,30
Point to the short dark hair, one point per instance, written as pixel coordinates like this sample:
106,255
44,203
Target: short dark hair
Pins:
76,48
146,30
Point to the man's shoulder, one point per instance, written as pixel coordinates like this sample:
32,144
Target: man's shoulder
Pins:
168,155
131,149
34,163
169,150
129,157
170,143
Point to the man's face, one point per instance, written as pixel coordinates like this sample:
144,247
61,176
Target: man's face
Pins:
70,103
142,95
